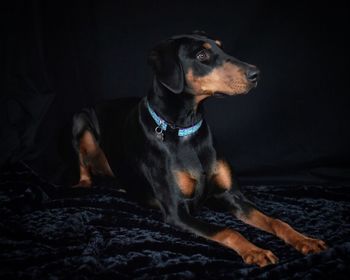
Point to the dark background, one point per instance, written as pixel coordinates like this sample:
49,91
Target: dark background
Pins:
58,57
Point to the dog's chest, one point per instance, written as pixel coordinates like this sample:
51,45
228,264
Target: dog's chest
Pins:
190,171
187,158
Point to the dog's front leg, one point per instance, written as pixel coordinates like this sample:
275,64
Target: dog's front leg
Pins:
176,213
245,211
250,253
231,198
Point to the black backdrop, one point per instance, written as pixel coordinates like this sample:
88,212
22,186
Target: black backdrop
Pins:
57,57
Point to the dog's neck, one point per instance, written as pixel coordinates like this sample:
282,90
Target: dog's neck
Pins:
180,109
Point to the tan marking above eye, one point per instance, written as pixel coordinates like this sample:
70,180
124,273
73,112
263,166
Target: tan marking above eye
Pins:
222,175
207,46
186,182
218,43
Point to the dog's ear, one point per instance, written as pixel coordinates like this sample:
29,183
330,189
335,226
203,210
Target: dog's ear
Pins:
166,65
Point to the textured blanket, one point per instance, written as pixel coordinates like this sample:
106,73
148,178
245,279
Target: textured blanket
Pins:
54,232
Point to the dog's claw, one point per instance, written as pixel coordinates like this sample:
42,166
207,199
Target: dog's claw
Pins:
259,257
310,246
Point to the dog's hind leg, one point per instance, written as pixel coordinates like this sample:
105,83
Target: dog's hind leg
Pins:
92,160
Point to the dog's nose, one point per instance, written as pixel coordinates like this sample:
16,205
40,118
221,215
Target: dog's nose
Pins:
252,74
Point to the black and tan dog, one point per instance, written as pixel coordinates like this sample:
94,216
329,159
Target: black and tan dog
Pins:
161,149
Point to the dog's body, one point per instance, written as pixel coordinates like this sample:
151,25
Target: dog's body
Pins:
161,149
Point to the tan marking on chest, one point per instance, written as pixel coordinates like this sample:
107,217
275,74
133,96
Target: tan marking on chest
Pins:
186,182
222,175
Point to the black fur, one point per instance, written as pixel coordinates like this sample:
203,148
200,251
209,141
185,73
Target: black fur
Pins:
143,164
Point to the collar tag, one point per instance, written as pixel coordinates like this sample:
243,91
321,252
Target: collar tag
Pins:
159,133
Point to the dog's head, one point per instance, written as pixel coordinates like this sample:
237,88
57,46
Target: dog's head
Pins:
197,64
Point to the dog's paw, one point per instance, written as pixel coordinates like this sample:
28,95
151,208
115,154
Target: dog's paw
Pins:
83,184
259,257
309,245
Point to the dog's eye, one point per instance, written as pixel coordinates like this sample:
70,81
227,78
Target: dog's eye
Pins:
203,55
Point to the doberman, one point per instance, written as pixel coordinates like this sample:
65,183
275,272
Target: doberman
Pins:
161,149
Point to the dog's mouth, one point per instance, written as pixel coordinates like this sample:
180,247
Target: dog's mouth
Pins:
254,84
220,95
242,90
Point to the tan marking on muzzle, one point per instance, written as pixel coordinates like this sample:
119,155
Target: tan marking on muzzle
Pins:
228,78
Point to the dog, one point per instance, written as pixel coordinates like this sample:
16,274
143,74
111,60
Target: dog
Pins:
161,148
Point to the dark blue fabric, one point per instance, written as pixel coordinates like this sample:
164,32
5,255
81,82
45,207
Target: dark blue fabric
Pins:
54,232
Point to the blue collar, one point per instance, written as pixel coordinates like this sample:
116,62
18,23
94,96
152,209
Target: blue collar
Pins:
162,124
